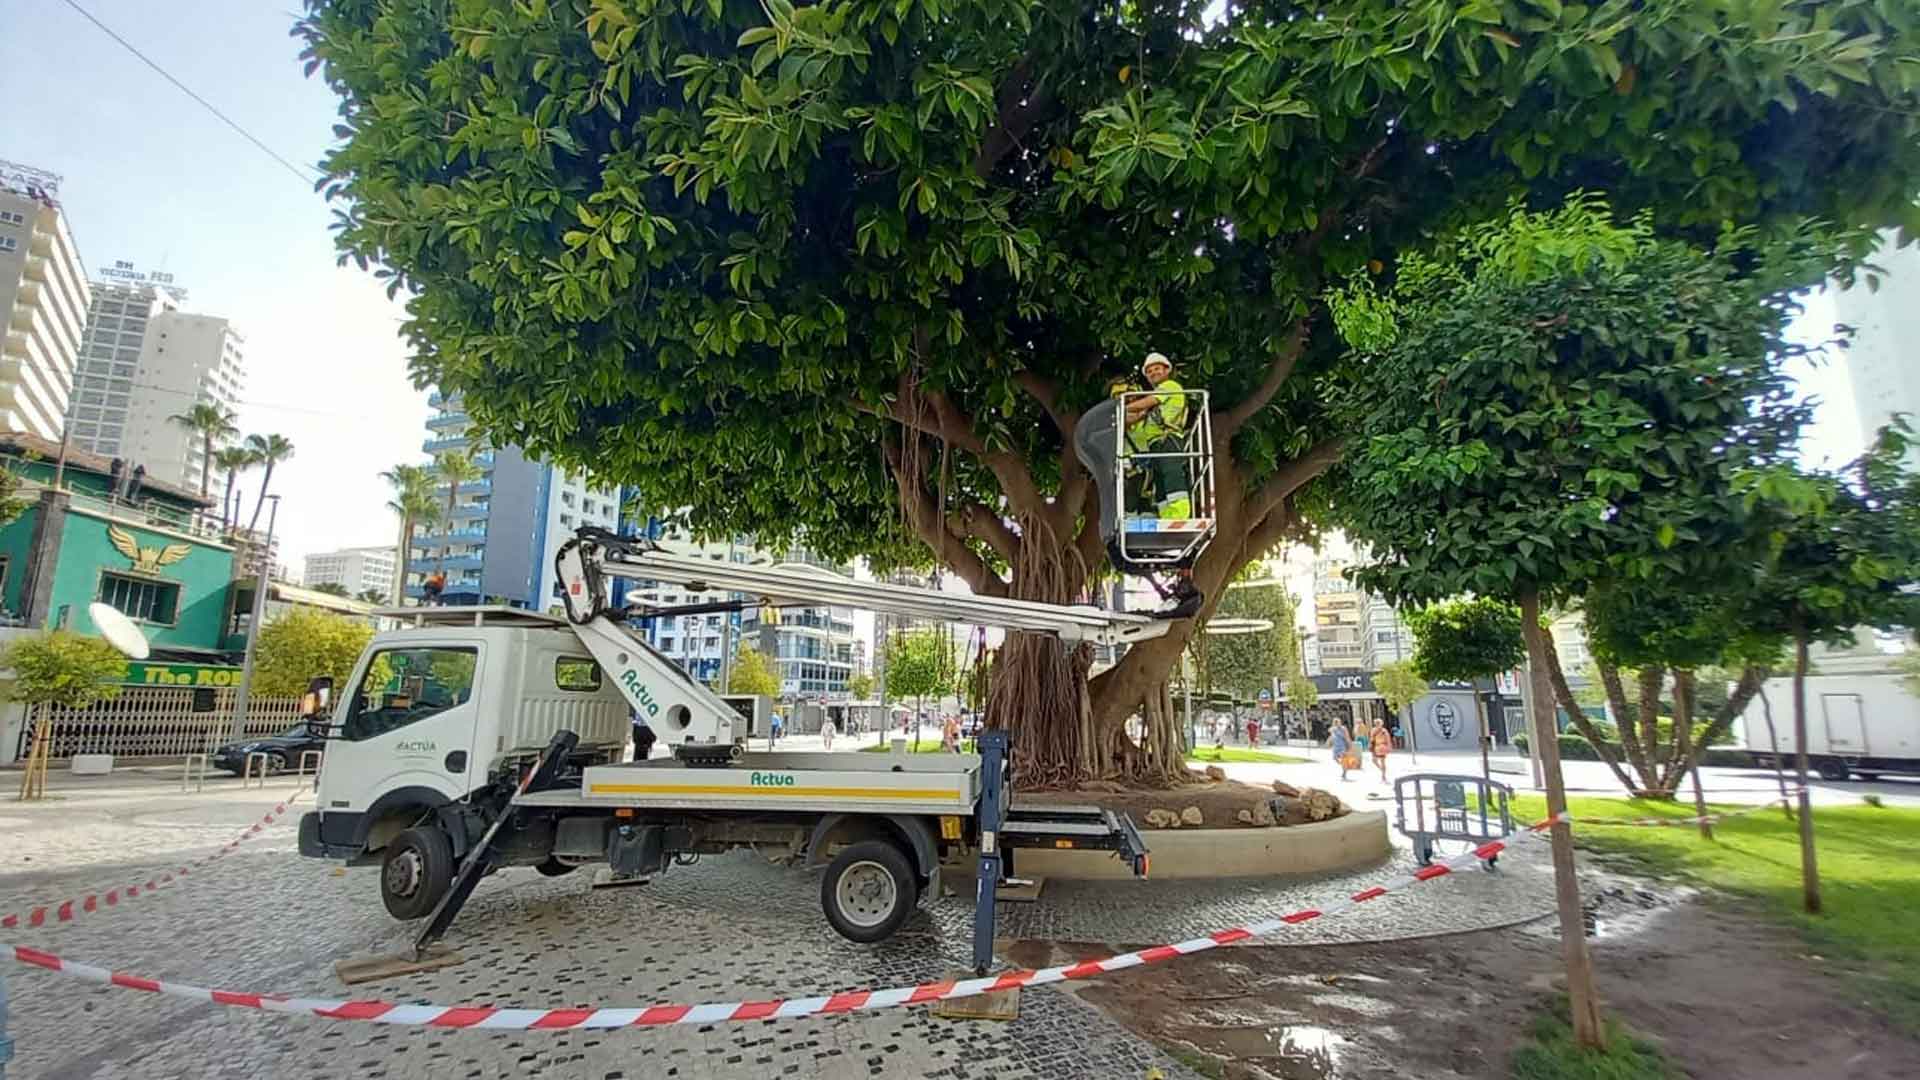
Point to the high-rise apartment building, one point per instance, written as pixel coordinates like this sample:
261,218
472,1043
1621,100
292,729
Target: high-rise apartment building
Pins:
1883,359
124,301
1339,615
353,569
43,303
1387,638
506,526
187,360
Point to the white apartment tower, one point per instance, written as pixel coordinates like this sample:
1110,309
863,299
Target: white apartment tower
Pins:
186,360
43,303
353,569
124,302
1881,359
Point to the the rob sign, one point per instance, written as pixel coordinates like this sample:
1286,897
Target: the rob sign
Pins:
196,675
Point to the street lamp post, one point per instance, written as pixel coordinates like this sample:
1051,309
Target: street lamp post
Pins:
241,700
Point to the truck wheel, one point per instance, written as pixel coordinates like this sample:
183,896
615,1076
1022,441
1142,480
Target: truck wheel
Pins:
868,891
1832,770
555,868
416,872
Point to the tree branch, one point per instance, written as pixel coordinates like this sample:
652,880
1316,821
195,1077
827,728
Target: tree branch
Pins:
1047,393
948,546
981,523
1294,475
1226,424
1021,103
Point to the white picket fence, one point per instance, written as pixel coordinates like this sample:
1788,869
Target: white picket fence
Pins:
154,722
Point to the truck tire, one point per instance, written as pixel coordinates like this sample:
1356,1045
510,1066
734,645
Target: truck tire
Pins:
869,889
1830,769
416,873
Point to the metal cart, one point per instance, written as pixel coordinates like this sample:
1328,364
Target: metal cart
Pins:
1430,807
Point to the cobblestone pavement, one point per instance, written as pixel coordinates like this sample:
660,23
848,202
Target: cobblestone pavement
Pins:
728,928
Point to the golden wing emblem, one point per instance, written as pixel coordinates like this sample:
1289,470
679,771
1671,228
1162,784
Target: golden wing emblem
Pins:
171,554
124,543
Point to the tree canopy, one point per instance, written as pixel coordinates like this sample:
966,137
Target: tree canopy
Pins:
753,673
1245,664
1466,638
304,644
920,664
61,667
860,265
1399,684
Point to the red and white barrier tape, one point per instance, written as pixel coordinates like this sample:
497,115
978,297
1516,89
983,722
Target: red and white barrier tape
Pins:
68,910
510,1019
1696,820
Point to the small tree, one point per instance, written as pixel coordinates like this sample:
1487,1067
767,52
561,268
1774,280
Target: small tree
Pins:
58,667
1301,695
859,686
920,664
1465,639
1844,552
12,505
1400,686
304,644
331,588
753,673
1245,664
413,501
453,468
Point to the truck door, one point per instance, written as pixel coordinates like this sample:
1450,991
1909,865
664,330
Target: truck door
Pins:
1846,723
408,730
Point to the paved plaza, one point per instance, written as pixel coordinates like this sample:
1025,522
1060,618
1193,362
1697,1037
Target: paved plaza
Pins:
731,928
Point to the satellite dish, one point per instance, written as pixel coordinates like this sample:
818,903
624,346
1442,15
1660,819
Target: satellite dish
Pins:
118,630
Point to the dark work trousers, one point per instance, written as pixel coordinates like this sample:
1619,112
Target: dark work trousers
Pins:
643,740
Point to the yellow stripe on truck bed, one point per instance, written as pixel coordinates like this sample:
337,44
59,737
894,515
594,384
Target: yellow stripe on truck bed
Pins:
780,792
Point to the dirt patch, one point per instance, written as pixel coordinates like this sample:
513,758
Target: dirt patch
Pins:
1724,993
1219,801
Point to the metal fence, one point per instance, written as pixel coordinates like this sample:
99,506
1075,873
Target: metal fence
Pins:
154,722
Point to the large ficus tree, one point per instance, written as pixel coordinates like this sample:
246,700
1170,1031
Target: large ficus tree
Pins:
856,268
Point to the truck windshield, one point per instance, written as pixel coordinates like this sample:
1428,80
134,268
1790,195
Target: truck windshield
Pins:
404,686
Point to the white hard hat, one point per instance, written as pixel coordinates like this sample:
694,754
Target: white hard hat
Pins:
1155,358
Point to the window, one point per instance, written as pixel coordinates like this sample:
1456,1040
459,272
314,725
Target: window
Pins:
12,217
405,686
666,644
139,598
576,673
8,243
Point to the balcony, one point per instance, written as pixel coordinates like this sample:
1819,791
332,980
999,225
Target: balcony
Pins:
445,443
452,565
447,420
436,541
471,511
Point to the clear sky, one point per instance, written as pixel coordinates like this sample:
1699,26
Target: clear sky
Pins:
152,177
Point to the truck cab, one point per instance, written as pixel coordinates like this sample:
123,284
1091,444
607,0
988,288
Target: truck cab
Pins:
432,711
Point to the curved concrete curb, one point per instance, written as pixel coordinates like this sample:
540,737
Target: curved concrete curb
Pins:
1344,843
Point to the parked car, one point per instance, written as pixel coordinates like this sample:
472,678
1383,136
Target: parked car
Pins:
283,750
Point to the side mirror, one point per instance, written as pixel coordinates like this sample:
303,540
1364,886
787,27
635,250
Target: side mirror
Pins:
314,706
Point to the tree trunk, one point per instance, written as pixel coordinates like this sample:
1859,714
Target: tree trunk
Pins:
226,514
1557,687
1480,711
1773,741
1587,1028
1809,866
446,538
1630,743
266,481
1685,759
403,553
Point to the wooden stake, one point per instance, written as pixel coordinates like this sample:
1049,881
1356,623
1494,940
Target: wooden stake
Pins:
1587,1028
1809,865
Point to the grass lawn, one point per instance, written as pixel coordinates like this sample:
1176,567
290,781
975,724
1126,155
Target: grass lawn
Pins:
1869,874
1215,755
924,746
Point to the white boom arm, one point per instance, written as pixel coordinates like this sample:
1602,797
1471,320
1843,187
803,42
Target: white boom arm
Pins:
686,714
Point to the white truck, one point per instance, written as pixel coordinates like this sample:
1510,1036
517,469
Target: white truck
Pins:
1857,725
476,738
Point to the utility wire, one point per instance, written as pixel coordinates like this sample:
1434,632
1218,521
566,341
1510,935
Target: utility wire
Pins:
305,177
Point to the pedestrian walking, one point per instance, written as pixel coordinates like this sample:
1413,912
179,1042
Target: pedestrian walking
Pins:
773,731
1380,741
1253,732
1343,750
826,734
950,734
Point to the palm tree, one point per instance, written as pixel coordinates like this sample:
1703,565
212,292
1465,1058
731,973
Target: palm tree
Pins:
231,461
413,500
271,450
213,422
453,468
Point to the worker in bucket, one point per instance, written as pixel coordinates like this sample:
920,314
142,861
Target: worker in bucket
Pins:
1156,424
